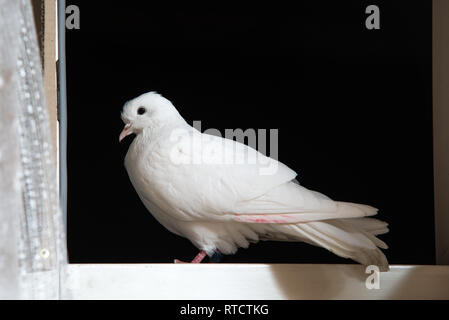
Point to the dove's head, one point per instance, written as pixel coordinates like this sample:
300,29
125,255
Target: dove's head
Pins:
146,111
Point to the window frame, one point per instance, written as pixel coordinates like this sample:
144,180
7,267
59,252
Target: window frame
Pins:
257,281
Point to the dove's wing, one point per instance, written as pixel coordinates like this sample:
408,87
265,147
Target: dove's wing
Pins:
220,179
292,203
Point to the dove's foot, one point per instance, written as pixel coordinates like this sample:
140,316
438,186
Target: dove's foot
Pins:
199,257
216,257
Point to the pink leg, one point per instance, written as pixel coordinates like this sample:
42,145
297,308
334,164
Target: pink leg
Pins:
199,257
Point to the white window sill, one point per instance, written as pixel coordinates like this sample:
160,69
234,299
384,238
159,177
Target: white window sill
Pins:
252,281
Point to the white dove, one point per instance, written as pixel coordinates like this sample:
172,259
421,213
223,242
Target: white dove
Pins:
190,186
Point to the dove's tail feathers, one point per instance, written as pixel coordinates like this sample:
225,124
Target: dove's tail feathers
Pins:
348,238
370,225
342,210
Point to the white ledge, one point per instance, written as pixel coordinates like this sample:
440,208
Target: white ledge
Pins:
252,281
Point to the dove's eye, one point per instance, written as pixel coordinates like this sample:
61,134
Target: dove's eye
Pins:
141,110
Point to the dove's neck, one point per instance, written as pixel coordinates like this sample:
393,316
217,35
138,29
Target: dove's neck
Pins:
161,130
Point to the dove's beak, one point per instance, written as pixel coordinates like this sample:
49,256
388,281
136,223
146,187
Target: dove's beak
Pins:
127,130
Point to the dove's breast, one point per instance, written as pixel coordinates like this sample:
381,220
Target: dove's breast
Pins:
146,175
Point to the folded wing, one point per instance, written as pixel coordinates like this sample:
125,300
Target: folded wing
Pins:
292,203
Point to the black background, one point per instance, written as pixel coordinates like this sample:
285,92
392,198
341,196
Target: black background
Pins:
353,108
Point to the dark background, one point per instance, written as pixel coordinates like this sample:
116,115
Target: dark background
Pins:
353,108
